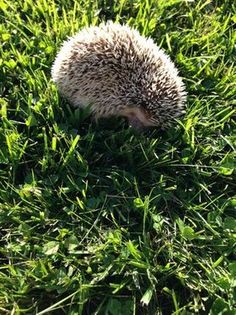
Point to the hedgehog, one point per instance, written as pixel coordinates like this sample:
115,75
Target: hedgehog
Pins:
115,71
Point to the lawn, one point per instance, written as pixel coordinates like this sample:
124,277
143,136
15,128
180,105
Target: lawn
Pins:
95,218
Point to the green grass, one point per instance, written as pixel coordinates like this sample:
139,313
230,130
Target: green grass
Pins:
97,220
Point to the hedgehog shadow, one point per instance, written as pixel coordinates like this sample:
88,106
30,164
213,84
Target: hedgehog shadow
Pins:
81,121
111,143
118,156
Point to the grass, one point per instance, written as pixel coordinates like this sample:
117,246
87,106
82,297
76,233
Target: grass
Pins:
96,219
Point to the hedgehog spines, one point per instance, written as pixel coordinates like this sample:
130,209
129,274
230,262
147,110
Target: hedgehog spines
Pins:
117,71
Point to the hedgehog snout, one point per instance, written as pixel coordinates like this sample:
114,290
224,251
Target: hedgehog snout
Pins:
137,117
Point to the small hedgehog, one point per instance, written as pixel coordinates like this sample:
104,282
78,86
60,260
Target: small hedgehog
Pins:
116,71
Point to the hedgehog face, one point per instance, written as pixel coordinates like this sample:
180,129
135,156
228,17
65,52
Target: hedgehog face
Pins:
162,109
138,117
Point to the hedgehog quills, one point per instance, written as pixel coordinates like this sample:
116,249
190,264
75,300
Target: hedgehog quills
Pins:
116,71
